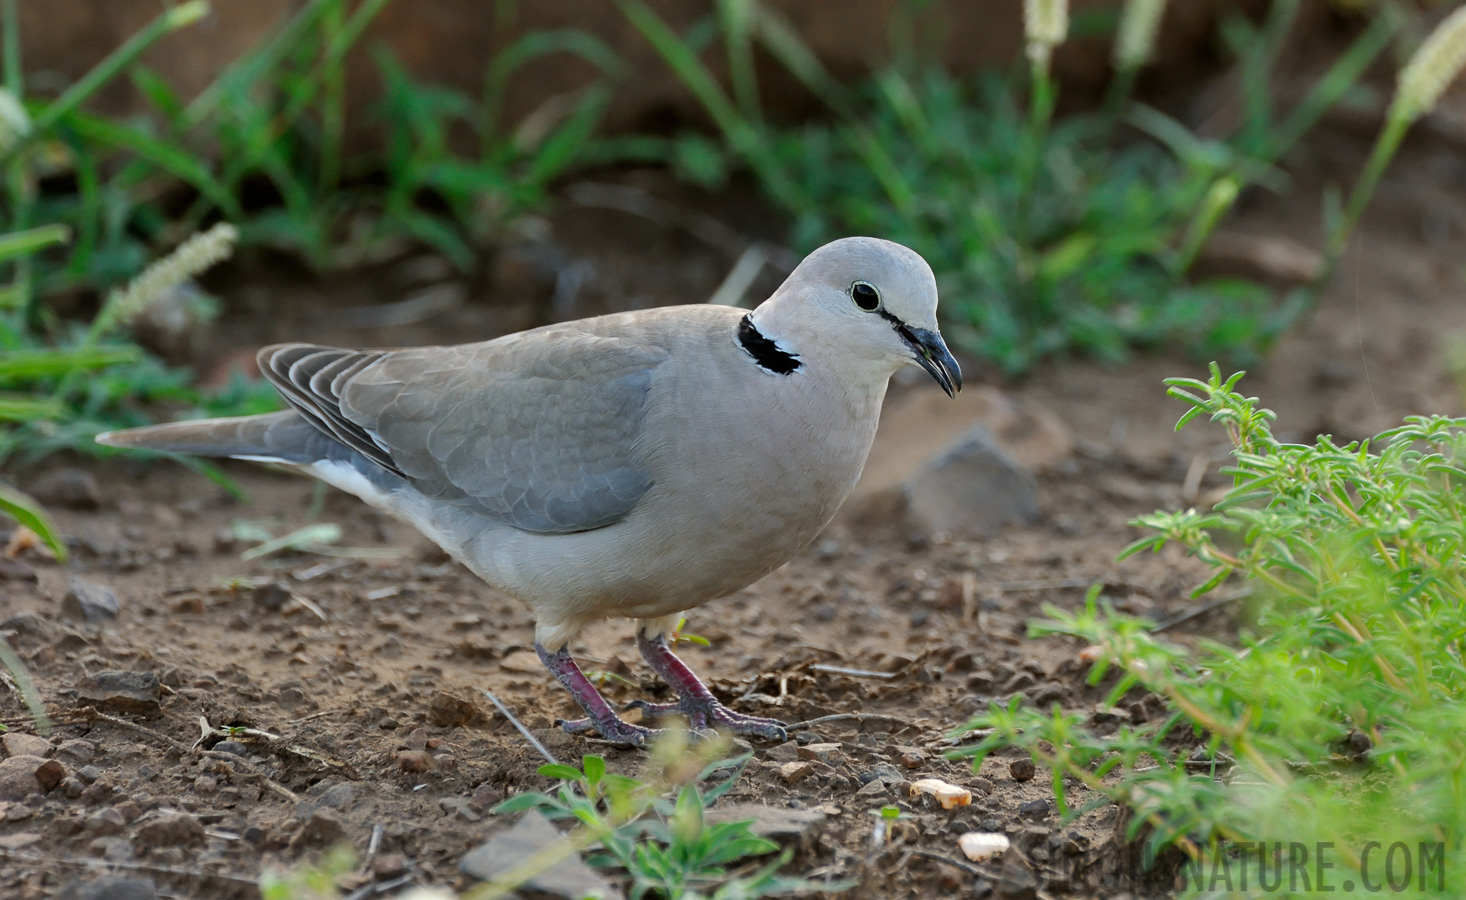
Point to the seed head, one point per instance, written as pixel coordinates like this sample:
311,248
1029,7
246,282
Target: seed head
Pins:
1135,41
1432,69
1045,25
190,258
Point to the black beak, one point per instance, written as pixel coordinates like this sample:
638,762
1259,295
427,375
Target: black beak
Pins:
932,354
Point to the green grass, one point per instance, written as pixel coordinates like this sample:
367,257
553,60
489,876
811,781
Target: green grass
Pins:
1047,237
1337,715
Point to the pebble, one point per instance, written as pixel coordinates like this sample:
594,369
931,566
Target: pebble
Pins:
169,830
89,601
1021,769
1034,809
829,754
910,757
19,744
794,772
448,711
783,753
322,829
459,809
105,821
76,752
233,747
21,776
415,760
133,692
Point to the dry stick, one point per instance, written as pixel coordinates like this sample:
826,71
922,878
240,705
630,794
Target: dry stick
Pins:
250,767
533,741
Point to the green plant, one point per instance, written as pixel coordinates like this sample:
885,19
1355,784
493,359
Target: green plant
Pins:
1344,700
655,830
1046,236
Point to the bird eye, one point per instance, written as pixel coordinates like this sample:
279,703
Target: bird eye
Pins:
865,296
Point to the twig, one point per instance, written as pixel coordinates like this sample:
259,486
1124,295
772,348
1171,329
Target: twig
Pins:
533,741
738,280
856,673
858,718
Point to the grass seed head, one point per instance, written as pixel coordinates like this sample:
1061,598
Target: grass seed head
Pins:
1045,25
1432,69
1139,24
190,258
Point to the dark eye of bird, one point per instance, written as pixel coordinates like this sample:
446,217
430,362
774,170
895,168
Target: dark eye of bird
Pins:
865,296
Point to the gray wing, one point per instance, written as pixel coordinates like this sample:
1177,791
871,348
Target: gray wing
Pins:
541,430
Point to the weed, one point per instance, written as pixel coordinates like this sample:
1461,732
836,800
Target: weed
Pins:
1342,703
1046,237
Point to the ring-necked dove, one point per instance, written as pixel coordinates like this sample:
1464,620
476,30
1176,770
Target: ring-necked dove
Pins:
636,464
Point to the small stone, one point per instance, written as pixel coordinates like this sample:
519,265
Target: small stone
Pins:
107,820
949,795
72,787
1021,769
134,692
459,809
76,752
1017,881
873,789
322,829
19,776
484,797
786,752
448,711
71,488
50,774
206,784
389,865
415,760
982,845
89,601
89,774
19,744
18,840
910,757
338,796
169,830
982,784
1034,809
232,747
795,771
829,754
290,698
570,879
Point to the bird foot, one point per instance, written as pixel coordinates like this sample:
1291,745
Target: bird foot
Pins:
616,731
704,714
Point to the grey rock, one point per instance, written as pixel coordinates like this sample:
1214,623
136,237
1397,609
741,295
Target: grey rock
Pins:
234,747
19,744
169,830
786,827
76,751
973,489
19,778
89,601
135,692
570,880
111,887
322,829
338,796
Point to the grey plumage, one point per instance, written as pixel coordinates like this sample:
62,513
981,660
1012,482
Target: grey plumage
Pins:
636,464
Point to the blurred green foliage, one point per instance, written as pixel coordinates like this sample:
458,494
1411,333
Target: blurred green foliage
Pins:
1338,715
1075,236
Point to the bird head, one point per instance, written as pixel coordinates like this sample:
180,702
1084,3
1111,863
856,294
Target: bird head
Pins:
864,302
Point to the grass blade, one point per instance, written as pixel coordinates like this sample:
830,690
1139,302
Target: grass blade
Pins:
24,509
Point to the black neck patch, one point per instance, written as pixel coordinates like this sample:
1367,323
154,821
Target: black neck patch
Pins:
764,351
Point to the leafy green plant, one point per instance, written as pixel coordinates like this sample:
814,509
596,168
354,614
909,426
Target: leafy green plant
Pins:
1338,715
1046,236
656,830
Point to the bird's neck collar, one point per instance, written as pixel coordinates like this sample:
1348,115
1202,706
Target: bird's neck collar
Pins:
768,351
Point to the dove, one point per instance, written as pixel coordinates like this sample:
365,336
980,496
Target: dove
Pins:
634,465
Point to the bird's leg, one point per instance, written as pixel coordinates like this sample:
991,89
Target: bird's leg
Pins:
599,715
697,703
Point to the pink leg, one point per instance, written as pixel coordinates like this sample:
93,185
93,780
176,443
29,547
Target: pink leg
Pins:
599,715
697,703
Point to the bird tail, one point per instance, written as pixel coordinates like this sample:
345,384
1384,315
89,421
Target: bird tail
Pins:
281,437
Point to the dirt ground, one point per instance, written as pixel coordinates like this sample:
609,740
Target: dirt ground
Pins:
371,670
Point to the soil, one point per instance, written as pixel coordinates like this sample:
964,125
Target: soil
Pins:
371,670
